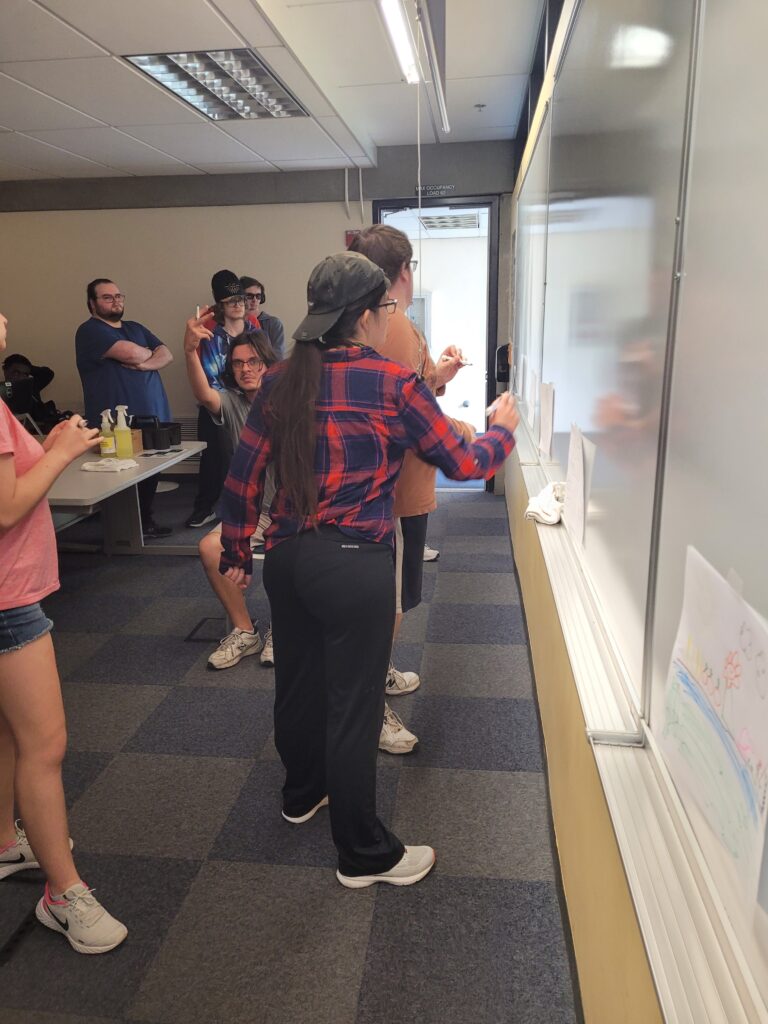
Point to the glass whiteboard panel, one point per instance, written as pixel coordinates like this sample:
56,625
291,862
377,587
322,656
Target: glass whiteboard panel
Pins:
716,481
531,264
617,129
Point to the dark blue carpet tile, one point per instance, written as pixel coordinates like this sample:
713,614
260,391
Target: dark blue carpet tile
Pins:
207,723
94,611
453,561
80,770
18,896
407,657
145,894
256,831
491,734
484,951
474,526
428,583
143,660
475,624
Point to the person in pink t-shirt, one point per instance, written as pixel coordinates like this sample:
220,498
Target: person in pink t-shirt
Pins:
32,727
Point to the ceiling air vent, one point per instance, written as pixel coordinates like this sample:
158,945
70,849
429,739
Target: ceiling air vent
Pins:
225,85
451,221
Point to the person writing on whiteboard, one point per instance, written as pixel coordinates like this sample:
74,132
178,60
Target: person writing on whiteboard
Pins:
119,362
32,727
335,420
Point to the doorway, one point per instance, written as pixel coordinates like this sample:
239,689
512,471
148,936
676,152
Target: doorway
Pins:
456,244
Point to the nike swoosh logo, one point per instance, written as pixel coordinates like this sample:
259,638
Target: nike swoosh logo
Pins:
19,860
64,924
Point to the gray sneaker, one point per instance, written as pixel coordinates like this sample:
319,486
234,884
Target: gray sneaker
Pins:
19,856
395,738
79,916
431,554
268,654
401,682
234,647
416,862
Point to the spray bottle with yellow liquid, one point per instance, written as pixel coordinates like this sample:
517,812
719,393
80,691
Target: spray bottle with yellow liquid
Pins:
107,448
123,439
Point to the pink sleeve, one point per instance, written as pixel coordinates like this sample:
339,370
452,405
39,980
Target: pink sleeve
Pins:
7,444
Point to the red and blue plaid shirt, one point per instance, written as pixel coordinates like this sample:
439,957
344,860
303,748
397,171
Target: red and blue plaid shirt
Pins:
368,413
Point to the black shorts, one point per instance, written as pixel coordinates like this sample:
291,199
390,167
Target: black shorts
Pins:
410,560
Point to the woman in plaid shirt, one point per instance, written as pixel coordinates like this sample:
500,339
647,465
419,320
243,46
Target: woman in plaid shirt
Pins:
336,420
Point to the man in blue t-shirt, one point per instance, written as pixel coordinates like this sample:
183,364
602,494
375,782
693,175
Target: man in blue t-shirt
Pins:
118,361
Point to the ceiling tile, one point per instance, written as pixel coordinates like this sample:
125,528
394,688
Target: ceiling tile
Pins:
341,135
111,147
193,143
55,162
147,26
104,88
249,22
27,32
24,108
501,42
14,172
296,138
293,75
255,167
314,165
502,96
389,111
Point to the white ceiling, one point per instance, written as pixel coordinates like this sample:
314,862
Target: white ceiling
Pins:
71,107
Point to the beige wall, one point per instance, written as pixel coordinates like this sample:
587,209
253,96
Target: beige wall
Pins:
163,260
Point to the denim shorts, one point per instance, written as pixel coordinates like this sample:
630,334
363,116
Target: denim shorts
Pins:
20,626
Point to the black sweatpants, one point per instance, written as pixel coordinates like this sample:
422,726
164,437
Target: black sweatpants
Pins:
214,462
332,599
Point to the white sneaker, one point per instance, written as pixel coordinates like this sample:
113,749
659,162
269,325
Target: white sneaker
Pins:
305,817
268,654
401,682
416,862
19,856
395,738
234,647
431,554
79,916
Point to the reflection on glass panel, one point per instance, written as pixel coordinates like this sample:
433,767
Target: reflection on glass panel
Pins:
617,130
531,265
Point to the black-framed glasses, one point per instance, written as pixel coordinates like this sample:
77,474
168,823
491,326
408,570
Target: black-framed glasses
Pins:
252,299
238,301
413,265
118,297
252,364
390,305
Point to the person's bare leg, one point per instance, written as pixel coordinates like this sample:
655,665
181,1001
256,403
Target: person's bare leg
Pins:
31,704
7,771
398,624
230,595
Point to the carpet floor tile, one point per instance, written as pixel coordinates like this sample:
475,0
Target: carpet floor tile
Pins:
476,670
104,717
473,624
476,588
141,660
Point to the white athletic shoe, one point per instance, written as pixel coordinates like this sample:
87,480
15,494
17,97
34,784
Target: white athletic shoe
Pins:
401,682
431,554
268,654
19,856
416,862
234,647
305,817
395,738
79,916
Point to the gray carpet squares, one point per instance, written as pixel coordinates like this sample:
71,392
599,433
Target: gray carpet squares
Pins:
235,916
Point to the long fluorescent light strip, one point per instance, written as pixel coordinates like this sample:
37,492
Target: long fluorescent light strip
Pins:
399,34
222,84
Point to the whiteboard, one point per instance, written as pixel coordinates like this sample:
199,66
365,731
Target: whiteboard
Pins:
618,114
716,477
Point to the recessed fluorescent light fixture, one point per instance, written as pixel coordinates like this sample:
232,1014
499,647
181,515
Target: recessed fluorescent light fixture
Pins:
400,36
225,85
636,46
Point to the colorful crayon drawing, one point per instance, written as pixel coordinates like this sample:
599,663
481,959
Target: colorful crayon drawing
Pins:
715,734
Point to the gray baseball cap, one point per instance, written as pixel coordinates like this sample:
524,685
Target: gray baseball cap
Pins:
336,283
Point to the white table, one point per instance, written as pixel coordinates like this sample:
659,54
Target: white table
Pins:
77,493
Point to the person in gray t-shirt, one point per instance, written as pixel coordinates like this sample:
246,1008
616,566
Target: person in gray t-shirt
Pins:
247,361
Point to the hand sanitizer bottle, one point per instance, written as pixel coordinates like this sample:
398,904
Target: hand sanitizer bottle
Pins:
107,448
123,439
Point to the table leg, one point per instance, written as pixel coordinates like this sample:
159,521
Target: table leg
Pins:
121,521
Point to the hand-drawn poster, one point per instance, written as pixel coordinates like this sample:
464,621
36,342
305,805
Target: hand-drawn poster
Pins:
715,733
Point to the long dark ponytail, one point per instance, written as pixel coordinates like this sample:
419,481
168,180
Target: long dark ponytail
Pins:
292,407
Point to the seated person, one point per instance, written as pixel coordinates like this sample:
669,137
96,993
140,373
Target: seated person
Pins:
247,361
